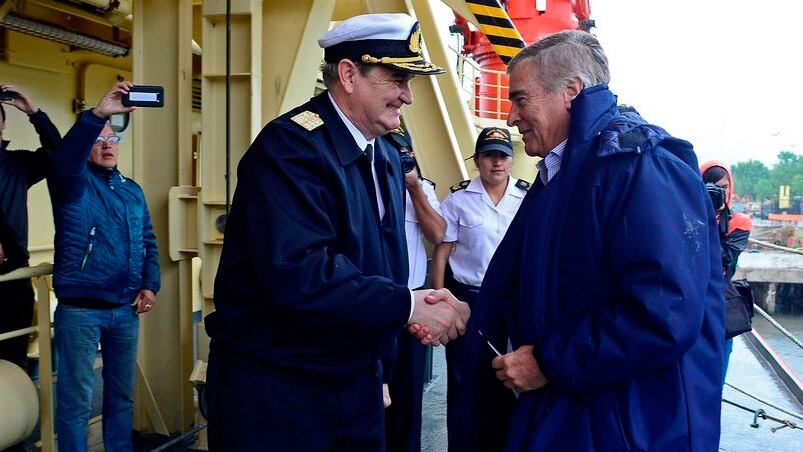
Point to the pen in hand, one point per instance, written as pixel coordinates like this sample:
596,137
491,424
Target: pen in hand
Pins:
490,344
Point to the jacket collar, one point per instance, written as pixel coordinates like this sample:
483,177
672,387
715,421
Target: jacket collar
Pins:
591,111
476,186
594,113
345,146
359,138
104,172
4,145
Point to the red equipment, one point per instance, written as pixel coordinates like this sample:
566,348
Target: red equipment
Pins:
492,87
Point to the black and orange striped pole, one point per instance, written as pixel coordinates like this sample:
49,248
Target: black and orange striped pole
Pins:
494,21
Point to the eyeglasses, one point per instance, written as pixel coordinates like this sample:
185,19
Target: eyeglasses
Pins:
111,139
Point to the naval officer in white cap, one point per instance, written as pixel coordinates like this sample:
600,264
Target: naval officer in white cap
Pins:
312,283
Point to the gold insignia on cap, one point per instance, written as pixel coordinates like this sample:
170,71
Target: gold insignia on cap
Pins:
398,131
496,134
414,41
308,120
424,67
390,60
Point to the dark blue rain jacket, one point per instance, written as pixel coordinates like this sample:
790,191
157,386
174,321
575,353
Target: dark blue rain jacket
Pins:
612,271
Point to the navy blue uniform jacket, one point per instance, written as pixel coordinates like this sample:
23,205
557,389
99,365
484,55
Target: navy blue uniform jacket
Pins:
310,281
613,272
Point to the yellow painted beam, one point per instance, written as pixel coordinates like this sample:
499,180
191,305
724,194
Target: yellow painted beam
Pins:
162,158
447,164
438,122
348,8
246,104
46,389
291,68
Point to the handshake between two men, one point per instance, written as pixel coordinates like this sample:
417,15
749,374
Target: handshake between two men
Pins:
438,317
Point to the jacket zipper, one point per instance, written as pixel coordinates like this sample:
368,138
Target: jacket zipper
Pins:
88,248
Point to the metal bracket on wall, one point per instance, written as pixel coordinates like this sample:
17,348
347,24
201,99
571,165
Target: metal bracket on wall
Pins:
182,209
78,105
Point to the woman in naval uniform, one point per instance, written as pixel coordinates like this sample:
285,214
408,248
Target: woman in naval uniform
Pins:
477,213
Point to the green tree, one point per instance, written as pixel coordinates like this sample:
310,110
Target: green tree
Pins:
752,179
787,170
746,177
764,189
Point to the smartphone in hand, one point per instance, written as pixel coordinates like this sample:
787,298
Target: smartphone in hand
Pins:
145,96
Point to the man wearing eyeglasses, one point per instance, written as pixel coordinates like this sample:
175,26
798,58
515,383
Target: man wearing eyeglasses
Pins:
106,275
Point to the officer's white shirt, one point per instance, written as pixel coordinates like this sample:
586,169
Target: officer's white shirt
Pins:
416,253
362,143
359,138
478,226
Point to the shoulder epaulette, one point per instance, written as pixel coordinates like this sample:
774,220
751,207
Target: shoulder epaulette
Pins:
308,120
523,184
428,181
459,186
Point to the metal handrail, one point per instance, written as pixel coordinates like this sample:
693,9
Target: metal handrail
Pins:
18,333
775,247
43,329
28,272
468,73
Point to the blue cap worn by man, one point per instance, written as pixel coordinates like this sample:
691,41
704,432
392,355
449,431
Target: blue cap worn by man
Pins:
312,284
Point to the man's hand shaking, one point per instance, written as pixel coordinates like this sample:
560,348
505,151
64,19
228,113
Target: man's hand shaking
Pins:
438,317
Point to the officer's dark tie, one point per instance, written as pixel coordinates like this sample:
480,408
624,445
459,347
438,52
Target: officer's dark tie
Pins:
376,175
369,152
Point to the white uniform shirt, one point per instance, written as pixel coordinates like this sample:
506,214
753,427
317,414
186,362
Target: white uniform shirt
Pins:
416,253
477,225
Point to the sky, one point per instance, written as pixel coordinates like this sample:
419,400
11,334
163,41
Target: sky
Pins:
724,75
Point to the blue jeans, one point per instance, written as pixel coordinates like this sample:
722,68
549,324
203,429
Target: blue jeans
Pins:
78,332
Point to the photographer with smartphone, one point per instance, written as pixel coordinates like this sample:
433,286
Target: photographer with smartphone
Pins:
106,275
19,171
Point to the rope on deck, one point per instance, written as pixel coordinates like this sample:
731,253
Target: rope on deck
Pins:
777,325
759,413
766,402
775,247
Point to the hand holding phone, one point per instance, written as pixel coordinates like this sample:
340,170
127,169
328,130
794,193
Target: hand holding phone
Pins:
144,96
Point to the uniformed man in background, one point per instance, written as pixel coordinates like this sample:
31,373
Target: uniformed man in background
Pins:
312,284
